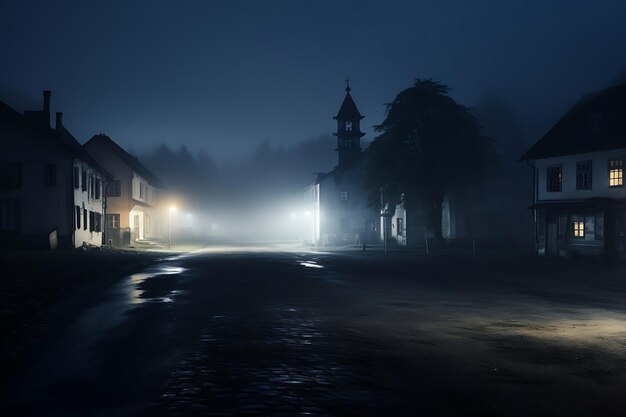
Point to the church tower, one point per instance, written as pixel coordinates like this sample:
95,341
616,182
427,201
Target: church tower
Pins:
348,130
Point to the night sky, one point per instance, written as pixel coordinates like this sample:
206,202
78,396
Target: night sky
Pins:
224,76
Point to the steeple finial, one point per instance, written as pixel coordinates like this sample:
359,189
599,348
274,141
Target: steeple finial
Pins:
347,85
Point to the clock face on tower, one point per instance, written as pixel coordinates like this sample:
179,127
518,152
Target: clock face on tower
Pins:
348,126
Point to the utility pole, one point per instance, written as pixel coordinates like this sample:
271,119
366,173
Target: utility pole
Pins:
383,217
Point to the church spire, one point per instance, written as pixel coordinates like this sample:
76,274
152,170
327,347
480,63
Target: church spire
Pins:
348,129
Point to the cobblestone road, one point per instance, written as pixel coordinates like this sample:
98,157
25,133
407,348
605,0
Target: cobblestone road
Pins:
269,333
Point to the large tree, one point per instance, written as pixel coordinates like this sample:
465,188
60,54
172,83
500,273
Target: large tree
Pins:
429,145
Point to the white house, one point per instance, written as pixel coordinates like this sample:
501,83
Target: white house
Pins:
51,190
133,196
579,197
338,199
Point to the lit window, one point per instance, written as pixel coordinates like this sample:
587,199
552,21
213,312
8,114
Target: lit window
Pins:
348,126
553,179
616,172
343,195
579,229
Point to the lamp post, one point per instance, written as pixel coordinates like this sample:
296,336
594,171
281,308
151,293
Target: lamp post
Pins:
171,210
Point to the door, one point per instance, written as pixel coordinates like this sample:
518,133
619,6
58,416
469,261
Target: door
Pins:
611,231
551,240
136,228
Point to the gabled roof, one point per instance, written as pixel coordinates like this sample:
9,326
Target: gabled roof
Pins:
127,158
596,123
35,121
348,109
338,171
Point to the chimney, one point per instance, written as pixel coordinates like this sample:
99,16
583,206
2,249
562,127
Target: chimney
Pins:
46,102
59,123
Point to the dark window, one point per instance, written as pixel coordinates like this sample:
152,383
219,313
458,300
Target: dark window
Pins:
92,221
600,227
113,221
84,219
344,195
616,172
76,178
348,126
583,175
92,185
11,176
10,214
114,189
77,217
400,226
553,179
50,175
84,180
98,187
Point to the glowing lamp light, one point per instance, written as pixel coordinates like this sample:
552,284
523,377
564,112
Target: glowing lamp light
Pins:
173,209
307,213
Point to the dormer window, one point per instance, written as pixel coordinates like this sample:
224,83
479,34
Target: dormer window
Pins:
348,126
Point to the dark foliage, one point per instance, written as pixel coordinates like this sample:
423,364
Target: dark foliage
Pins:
429,146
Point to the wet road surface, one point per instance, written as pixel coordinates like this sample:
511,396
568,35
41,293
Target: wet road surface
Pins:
247,332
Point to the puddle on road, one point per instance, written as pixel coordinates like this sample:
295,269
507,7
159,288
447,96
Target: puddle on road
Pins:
70,354
311,264
130,285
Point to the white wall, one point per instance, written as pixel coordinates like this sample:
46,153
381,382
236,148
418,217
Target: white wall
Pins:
600,176
84,200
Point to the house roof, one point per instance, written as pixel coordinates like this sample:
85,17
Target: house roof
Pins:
348,109
35,121
338,172
597,122
128,159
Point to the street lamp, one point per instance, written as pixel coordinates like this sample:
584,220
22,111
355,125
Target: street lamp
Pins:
171,210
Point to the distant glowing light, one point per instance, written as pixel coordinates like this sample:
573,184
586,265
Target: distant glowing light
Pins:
307,213
173,209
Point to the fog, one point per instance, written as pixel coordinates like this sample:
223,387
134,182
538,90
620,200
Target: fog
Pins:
258,197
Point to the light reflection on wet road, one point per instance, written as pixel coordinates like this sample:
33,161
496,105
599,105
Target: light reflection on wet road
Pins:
252,358
241,332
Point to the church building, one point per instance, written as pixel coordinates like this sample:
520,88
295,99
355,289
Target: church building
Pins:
339,198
